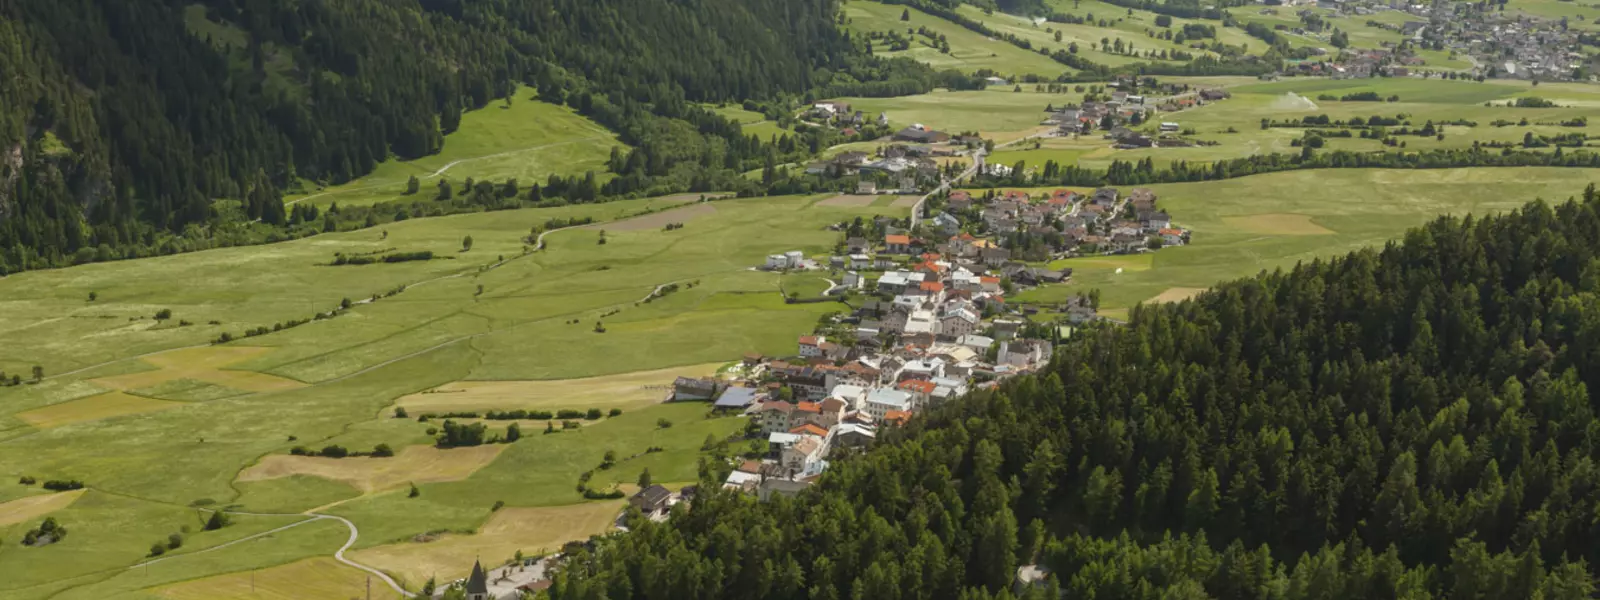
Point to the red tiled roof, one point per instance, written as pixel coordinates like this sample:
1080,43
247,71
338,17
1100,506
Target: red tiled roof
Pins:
750,466
808,340
917,385
1171,231
987,279
932,286
808,407
897,417
810,429
902,240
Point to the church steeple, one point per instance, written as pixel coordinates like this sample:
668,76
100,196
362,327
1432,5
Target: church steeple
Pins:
477,583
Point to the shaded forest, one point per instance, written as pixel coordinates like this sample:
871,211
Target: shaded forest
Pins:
123,121
1412,421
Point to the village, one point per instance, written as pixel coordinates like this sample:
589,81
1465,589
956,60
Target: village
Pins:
1498,43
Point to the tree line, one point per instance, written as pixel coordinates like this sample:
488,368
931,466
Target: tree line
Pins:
1411,421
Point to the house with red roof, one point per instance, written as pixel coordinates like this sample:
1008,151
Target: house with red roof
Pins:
897,244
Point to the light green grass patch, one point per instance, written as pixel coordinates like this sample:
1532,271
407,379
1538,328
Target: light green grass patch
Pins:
186,390
969,51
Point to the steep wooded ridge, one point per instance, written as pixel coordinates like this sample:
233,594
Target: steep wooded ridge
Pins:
1414,421
121,121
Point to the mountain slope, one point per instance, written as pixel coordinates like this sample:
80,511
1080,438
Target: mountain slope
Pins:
1414,421
124,119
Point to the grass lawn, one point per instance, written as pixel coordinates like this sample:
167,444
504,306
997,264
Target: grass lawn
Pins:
306,579
1263,222
459,323
988,111
528,141
969,50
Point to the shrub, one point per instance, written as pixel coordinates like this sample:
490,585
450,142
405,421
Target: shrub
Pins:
158,549
593,414
400,412
163,314
570,425
382,451
615,412
174,541
414,491
335,451
218,520
27,480
498,504
663,423
301,451
57,485
568,413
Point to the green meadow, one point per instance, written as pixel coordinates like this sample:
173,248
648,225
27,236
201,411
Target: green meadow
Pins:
969,51
528,141
576,309
1247,225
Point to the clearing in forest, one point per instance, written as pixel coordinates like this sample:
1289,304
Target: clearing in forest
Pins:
1177,294
627,391
202,364
93,408
29,508
532,530
1277,224
413,464
311,578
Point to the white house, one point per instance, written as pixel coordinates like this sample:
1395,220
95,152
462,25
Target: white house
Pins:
854,280
854,396
777,262
882,400
775,417
811,345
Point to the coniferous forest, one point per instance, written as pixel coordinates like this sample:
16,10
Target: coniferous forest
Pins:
1412,421
123,121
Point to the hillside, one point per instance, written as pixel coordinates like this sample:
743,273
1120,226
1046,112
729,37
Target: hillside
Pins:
125,120
1410,421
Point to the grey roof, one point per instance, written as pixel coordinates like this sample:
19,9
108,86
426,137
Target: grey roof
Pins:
478,582
736,397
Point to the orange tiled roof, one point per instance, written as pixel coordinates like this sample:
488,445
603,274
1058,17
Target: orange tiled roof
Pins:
810,429
897,239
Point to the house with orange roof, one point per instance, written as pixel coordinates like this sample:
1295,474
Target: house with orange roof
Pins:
811,345
896,418
918,390
897,244
1172,237
809,429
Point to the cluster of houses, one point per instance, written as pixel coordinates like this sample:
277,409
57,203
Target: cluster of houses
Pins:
1067,223
1114,116
839,115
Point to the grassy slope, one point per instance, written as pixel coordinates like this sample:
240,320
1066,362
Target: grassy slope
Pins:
969,51
528,141
1363,207
431,335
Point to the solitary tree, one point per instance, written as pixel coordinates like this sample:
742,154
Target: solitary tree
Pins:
466,243
93,296
38,374
413,185
218,520
644,478
905,15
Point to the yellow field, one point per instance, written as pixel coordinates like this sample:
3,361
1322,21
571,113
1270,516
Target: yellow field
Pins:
626,391
310,579
27,509
202,364
1177,294
412,464
1277,224
93,408
531,530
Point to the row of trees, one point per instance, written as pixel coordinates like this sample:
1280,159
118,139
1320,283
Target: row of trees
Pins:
1410,421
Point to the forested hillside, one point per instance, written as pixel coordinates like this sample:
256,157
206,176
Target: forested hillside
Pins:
1413,421
121,121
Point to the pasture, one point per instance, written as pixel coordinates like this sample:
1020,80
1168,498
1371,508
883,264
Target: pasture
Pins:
534,531
626,391
312,578
492,320
528,141
1263,222
969,51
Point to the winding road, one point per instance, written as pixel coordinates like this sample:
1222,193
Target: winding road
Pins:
314,517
